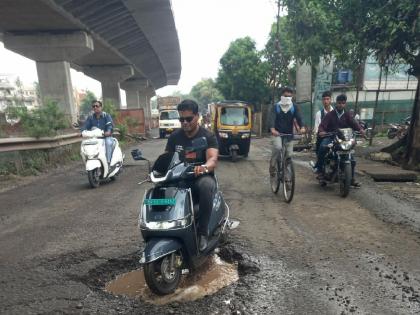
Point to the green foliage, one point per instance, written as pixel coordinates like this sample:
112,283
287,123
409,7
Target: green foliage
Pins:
86,104
110,108
205,92
243,74
278,55
123,130
41,122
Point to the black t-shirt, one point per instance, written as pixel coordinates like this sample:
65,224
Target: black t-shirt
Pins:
178,141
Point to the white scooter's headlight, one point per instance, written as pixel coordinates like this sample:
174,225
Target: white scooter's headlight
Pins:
90,151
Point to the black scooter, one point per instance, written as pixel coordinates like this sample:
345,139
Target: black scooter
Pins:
168,221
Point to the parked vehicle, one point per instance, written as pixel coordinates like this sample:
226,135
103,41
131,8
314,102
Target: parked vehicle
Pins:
399,130
232,122
168,115
338,160
168,222
93,153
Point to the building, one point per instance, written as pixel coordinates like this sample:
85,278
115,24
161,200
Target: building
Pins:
14,93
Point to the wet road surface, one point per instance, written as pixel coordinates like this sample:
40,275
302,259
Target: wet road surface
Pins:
61,242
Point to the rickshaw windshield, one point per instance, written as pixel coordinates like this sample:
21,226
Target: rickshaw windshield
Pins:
234,116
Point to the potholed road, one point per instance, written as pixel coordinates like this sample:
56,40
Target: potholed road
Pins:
60,241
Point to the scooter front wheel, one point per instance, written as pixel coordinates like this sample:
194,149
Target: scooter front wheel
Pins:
93,176
161,276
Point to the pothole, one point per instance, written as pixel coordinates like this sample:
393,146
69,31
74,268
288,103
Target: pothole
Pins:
214,275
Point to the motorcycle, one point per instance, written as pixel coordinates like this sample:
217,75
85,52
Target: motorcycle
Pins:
399,130
338,160
93,152
168,221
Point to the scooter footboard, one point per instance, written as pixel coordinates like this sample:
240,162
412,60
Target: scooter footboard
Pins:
159,247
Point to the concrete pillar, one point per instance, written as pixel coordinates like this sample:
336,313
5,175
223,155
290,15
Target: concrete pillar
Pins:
132,88
52,53
145,95
132,97
110,78
55,85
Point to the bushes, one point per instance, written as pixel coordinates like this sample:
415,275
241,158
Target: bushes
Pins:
44,121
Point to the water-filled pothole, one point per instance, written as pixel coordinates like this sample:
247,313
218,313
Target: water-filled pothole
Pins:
210,278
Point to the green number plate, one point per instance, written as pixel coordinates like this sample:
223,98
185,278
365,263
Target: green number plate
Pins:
160,202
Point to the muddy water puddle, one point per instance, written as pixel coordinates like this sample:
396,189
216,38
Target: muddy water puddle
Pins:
210,278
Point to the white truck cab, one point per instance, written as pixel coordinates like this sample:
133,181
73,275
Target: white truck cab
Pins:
168,115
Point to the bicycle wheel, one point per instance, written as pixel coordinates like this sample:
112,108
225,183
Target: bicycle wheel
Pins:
275,177
288,180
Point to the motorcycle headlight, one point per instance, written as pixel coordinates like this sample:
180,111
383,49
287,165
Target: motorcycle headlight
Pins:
223,135
346,145
245,135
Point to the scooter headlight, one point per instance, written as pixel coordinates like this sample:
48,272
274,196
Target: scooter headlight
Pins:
224,135
90,151
165,225
245,135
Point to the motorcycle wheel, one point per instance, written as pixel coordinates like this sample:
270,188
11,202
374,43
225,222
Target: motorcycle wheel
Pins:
93,177
159,278
234,155
345,181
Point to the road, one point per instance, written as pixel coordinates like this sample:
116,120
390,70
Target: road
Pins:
61,241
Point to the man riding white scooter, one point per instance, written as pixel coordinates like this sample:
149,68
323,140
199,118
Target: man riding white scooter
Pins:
103,121
100,151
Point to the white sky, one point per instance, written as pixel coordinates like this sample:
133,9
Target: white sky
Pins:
205,30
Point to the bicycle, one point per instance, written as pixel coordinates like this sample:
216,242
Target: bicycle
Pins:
284,174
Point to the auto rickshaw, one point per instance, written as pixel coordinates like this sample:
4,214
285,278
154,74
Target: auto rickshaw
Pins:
231,122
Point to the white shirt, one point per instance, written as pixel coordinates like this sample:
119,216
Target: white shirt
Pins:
318,119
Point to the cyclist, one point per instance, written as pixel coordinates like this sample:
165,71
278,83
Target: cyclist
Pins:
282,118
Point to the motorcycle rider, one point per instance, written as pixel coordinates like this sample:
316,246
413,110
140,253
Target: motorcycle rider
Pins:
204,186
102,120
326,103
282,118
337,118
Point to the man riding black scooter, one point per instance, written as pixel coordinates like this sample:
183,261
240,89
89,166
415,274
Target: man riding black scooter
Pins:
334,120
204,186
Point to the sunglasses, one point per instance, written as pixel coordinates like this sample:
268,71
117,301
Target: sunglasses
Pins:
187,119
95,106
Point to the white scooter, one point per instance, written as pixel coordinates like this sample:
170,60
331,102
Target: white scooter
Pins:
93,152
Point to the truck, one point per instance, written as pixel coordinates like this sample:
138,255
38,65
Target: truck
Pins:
168,115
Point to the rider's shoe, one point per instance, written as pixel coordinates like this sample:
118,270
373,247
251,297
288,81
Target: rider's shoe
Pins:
354,183
202,243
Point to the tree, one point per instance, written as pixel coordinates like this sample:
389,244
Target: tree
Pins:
279,57
86,103
350,29
205,92
242,74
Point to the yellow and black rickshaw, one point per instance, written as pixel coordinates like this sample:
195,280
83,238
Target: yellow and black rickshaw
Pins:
231,122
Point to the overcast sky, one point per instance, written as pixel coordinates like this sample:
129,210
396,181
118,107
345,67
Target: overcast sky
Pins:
205,30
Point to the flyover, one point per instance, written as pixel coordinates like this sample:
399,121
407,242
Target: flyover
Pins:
132,44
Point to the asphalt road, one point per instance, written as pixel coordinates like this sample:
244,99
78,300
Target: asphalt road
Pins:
61,241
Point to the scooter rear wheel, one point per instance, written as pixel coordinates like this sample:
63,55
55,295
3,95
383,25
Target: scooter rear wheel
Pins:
160,277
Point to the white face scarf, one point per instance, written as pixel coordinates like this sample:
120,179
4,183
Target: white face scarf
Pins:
285,103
